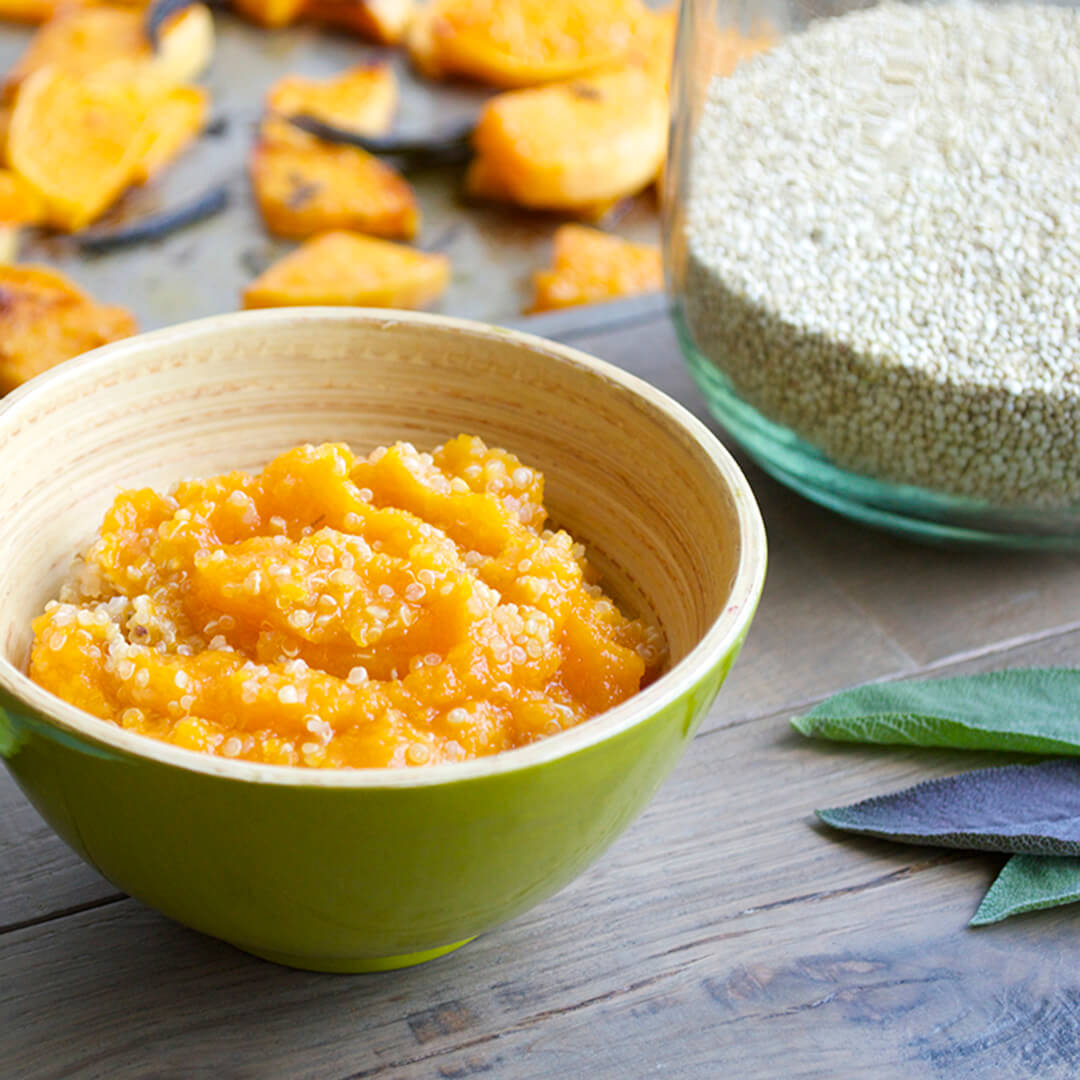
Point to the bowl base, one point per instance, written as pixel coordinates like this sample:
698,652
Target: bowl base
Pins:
357,965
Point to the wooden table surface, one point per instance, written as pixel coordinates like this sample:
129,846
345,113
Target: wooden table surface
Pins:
724,935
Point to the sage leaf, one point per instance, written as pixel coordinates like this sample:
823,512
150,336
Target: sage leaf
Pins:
1029,809
1031,710
1030,883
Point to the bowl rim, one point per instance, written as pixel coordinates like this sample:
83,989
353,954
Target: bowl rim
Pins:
720,638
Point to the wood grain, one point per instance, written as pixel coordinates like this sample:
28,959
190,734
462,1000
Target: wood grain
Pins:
40,875
724,935
724,927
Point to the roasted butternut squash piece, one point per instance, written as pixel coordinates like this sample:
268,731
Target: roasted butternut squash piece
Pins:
652,46
20,204
514,43
45,319
85,40
420,43
347,268
178,117
384,21
575,143
78,141
483,183
589,266
185,46
362,99
305,186
270,13
27,11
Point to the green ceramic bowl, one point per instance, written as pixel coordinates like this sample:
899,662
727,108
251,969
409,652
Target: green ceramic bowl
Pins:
364,870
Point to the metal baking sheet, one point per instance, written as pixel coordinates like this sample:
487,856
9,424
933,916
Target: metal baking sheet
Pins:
202,270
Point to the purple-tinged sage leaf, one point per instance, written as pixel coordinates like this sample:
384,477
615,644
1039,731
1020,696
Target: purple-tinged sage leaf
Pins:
1029,809
1030,883
1030,710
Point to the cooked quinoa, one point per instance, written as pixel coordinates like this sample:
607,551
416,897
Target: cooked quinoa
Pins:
398,609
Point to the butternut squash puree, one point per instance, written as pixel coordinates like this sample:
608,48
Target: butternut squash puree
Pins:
400,609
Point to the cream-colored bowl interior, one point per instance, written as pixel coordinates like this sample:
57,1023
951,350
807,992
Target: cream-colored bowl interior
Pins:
626,472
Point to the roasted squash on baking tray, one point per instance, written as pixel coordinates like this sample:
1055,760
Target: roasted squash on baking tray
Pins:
45,319
348,268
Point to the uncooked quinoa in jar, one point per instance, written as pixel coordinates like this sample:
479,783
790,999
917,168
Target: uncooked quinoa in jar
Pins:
883,244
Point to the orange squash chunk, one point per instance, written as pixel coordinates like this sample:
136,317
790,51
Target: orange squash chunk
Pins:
652,47
394,610
590,266
304,186
420,42
270,13
575,143
20,204
178,117
27,11
514,43
79,141
482,182
45,319
384,21
96,38
347,268
5,127
362,99
40,11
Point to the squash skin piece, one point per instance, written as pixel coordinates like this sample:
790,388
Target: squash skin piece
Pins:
574,143
348,268
78,142
178,118
589,266
99,38
362,99
517,43
383,21
304,186
45,319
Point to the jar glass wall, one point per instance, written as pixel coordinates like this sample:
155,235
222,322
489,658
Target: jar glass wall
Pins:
872,232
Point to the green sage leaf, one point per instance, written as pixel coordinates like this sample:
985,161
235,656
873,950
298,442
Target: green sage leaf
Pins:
1029,710
1030,883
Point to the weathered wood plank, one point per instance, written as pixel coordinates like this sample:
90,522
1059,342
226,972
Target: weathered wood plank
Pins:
723,929
853,985
41,876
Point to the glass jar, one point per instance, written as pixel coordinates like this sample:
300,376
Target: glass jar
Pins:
872,242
